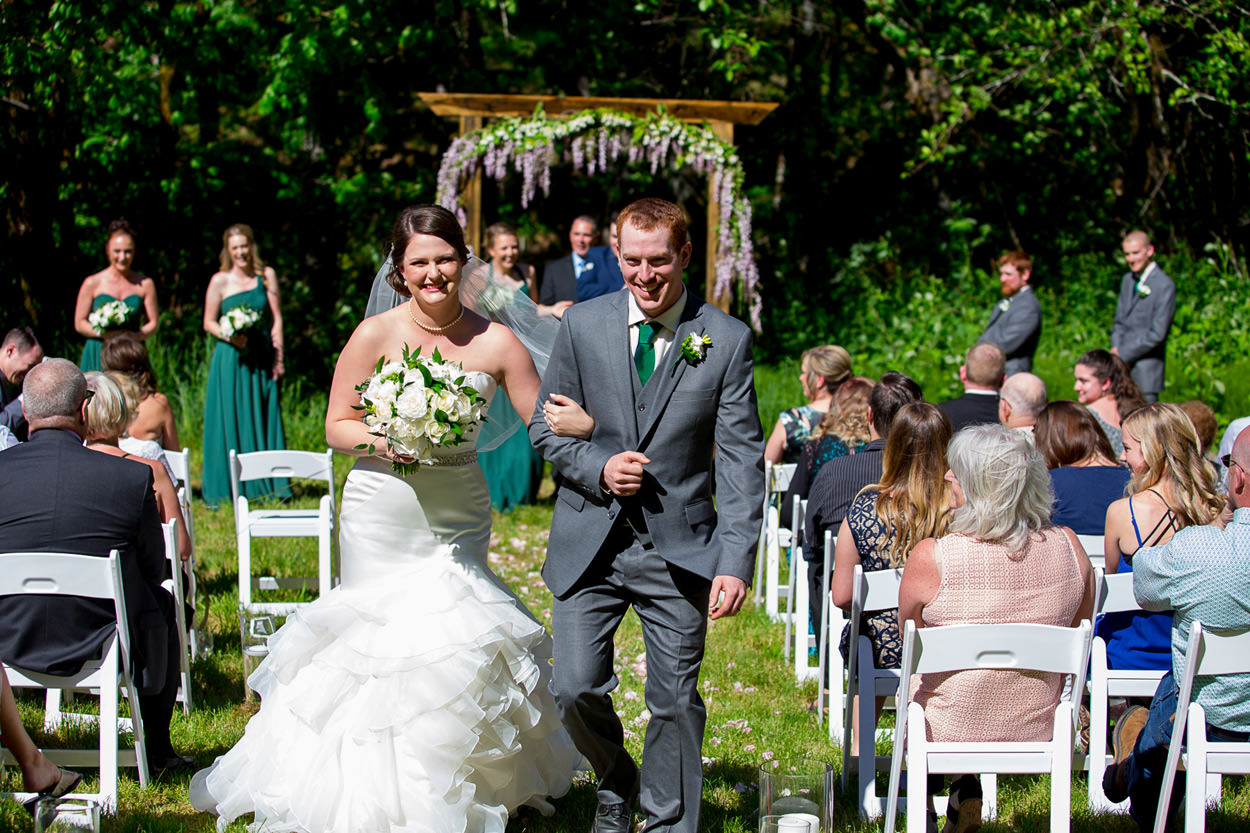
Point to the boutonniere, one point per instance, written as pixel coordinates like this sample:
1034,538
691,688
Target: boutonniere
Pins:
1142,289
694,349
1004,304
587,265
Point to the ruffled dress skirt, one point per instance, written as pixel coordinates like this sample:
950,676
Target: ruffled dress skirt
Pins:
415,696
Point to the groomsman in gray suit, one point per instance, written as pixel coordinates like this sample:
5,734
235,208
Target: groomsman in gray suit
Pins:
1016,322
1143,315
641,519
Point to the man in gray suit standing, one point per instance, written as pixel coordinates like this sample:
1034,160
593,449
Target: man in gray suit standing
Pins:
1016,322
668,380
1143,315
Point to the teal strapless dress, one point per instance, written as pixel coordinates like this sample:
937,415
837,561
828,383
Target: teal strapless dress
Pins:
514,470
241,406
91,350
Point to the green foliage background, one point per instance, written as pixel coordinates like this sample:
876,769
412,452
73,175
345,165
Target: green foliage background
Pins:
913,143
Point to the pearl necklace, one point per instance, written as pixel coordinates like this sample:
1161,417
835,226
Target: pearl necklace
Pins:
429,329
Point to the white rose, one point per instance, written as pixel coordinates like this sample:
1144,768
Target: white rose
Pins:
382,392
391,369
435,430
411,404
446,402
464,407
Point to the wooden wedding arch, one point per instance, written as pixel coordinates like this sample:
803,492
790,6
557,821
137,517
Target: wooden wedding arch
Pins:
473,109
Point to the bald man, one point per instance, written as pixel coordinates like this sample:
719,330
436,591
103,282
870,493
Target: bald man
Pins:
1021,400
1143,315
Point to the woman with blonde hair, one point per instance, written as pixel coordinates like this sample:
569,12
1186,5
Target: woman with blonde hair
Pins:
241,407
887,519
821,370
1172,487
1001,560
108,414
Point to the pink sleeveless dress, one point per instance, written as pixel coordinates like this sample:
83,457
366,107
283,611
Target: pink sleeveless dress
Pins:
983,583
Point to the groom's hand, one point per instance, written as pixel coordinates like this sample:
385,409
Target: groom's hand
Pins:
734,592
622,475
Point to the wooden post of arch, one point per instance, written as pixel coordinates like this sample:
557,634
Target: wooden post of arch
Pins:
472,109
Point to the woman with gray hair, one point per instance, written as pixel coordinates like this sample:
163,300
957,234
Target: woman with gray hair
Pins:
1001,561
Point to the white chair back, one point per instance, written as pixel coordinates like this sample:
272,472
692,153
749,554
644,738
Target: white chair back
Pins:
177,589
1206,655
777,478
1008,647
92,577
1112,594
871,592
180,462
1093,545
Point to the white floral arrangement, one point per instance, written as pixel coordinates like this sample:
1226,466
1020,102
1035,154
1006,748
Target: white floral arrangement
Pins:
417,404
496,296
240,319
110,316
1142,289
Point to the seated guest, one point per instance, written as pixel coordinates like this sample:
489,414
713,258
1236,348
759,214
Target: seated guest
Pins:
982,376
19,352
57,496
821,370
1022,398
910,503
1201,575
1172,487
107,417
1002,561
153,418
843,430
147,449
1104,385
1203,418
7,440
1083,472
842,478
39,775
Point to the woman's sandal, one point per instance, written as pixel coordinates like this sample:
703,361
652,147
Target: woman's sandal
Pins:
67,781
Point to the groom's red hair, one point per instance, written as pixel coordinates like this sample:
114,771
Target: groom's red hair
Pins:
650,213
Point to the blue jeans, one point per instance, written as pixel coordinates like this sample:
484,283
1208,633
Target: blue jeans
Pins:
1143,769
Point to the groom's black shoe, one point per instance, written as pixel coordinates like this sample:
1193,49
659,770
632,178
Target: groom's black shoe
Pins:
613,818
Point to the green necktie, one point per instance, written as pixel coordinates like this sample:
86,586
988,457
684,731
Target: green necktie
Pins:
644,354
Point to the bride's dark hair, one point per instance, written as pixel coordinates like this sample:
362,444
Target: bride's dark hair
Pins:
422,219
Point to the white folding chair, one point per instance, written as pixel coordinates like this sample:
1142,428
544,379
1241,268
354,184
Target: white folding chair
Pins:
1009,647
92,577
794,587
1207,655
808,634
177,589
773,538
283,523
180,462
871,592
1093,545
1113,594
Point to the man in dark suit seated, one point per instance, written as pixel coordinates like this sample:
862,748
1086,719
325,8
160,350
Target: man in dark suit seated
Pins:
1016,321
57,496
19,352
982,376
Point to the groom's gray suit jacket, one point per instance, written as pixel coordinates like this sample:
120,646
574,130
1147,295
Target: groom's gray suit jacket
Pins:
686,415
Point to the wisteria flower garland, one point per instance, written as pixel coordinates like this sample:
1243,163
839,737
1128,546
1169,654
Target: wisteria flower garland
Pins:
591,140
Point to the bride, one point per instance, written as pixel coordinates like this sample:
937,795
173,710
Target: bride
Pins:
415,695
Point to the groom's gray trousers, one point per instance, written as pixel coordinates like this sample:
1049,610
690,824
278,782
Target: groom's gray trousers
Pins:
671,604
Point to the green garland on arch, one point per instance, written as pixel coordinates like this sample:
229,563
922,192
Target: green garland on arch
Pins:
593,139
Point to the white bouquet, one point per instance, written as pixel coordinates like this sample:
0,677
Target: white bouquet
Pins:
417,404
110,316
240,319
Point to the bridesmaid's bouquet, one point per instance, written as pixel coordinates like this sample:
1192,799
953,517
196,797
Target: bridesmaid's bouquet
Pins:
416,404
110,316
240,319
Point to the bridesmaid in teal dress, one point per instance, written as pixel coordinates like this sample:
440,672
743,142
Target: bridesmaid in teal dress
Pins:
118,282
513,469
241,406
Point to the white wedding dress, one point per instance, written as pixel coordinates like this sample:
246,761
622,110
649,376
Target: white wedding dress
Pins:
414,697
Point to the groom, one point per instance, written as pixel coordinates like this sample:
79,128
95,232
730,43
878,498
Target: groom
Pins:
640,517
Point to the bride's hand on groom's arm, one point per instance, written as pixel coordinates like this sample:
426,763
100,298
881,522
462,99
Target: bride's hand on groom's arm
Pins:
566,418
734,592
